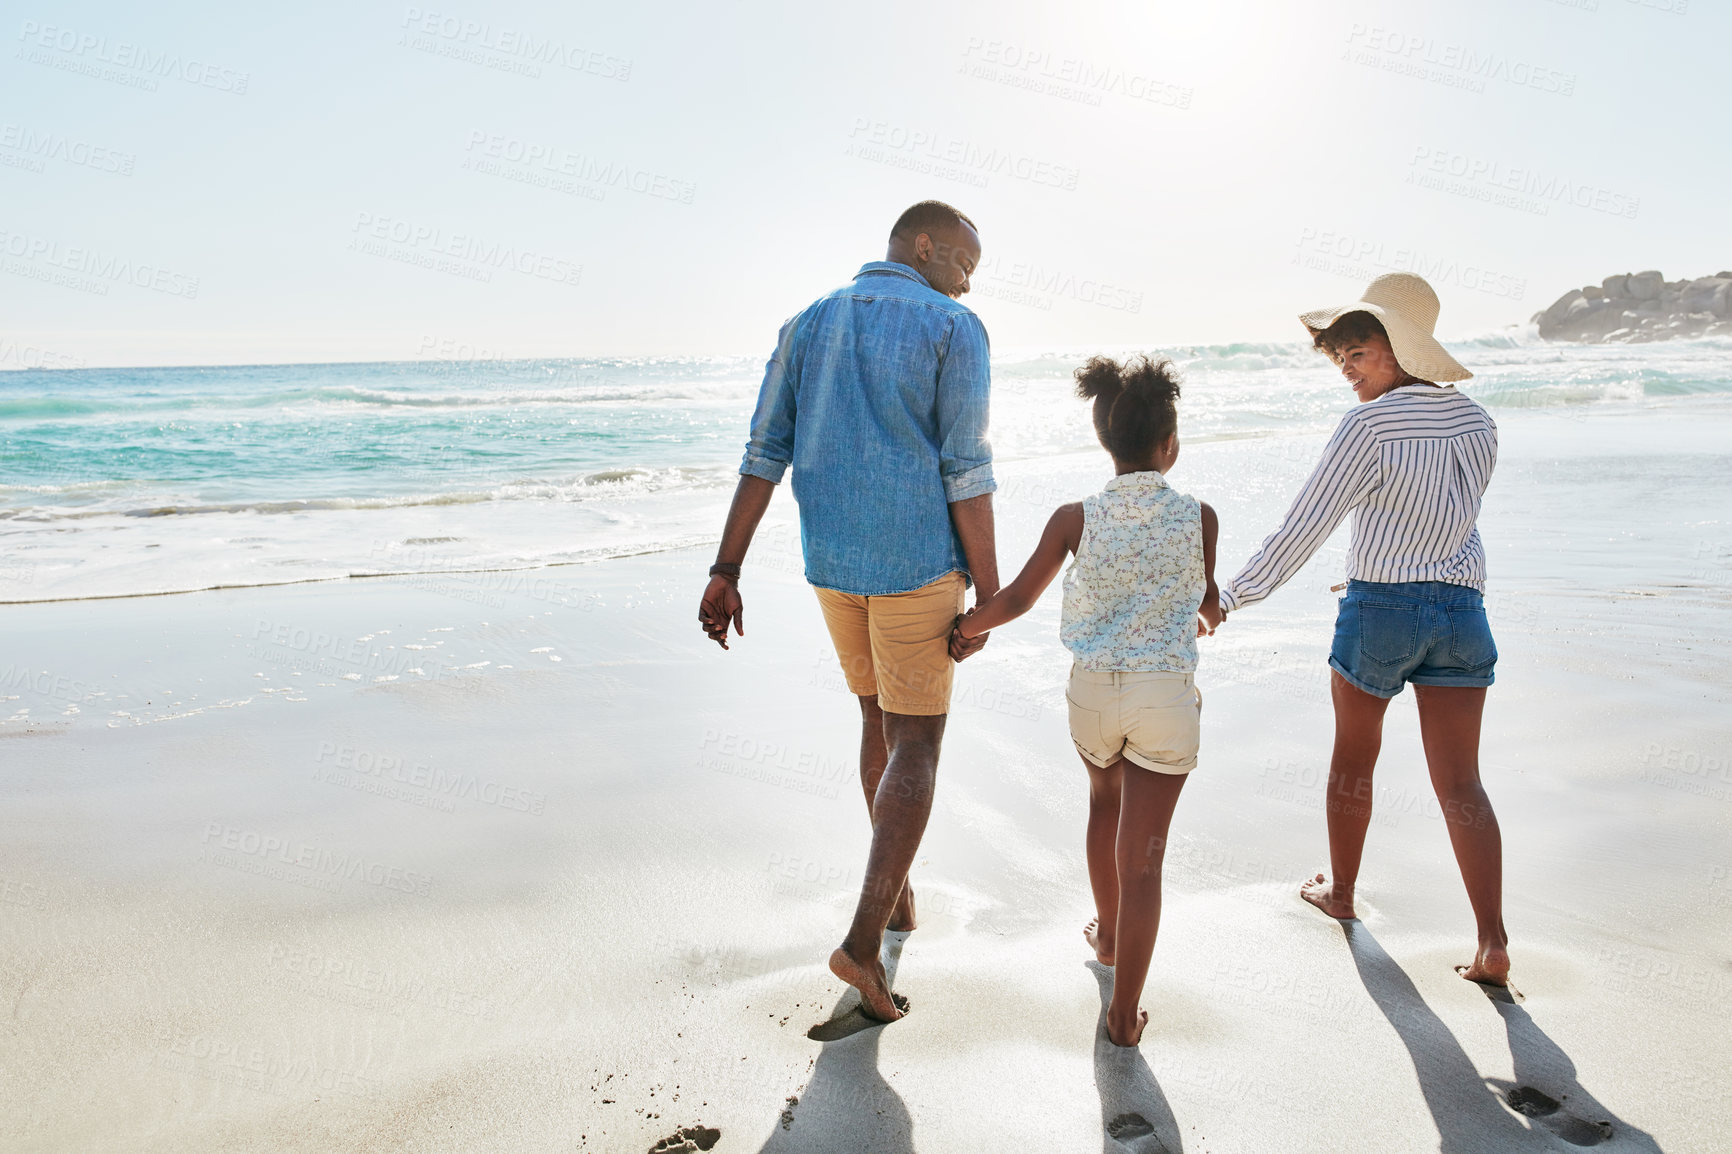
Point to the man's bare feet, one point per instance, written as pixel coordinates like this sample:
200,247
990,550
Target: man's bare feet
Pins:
875,999
1092,935
1490,965
1131,1033
902,918
1320,893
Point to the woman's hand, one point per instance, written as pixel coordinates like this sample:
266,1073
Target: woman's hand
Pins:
1210,617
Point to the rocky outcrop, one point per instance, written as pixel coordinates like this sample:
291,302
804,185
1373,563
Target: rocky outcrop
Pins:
1641,306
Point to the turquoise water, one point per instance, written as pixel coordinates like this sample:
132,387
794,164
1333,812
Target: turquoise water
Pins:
559,459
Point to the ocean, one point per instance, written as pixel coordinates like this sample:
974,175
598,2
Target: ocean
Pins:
118,482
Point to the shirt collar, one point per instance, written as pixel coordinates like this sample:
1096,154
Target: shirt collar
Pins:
891,268
1145,479
1440,390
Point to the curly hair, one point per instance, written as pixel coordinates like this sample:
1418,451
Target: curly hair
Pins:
1135,403
1348,330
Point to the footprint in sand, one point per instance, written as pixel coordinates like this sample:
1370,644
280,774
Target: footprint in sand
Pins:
687,1138
1549,1112
853,1022
1129,1130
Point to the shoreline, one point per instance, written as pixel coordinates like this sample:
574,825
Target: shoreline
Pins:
618,926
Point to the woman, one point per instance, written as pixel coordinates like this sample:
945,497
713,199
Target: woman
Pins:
1411,464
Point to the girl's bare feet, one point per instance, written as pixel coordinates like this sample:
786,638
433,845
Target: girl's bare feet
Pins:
1131,1033
1092,935
875,999
1321,893
1490,965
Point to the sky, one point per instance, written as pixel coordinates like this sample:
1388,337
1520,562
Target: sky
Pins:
233,184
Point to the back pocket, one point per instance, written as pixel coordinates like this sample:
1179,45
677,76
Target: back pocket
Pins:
1388,634
1085,731
1470,642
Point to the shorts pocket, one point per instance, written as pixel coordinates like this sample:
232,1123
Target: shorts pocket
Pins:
1388,634
1086,732
1168,735
1470,641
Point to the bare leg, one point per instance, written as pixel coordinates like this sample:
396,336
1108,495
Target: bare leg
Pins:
1358,739
900,808
874,754
1145,813
1449,722
1102,851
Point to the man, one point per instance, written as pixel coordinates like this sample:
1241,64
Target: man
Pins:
877,396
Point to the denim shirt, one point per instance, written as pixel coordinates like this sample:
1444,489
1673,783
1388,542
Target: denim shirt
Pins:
877,396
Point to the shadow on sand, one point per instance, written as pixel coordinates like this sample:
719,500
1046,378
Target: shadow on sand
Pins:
1546,1090
847,1106
1473,1114
1134,1112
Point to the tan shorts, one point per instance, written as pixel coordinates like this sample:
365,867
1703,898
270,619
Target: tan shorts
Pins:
896,646
1149,719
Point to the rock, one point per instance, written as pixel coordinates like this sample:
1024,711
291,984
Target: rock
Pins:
1551,319
1645,286
1705,295
1641,306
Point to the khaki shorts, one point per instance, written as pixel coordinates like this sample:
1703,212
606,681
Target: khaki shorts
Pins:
1149,719
896,646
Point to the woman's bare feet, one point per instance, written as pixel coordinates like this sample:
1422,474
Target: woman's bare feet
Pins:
1092,935
1490,965
875,999
1321,893
1130,1032
902,918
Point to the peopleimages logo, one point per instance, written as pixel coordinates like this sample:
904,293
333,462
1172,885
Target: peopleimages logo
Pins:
41,146
104,268
1521,180
433,31
270,850
970,157
1460,65
84,52
413,243
556,161
1356,257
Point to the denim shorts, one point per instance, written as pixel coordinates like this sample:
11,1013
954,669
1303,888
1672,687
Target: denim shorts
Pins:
1426,632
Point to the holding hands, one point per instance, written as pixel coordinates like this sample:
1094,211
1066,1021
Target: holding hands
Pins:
1210,616
963,647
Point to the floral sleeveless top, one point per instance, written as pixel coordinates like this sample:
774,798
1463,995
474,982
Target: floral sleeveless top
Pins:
1132,593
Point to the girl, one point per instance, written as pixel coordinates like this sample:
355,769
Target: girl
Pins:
1144,570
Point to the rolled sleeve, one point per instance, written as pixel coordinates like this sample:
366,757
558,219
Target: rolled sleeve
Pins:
770,448
964,393
976,482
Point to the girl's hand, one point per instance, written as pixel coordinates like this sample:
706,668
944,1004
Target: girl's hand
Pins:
1209,618
962,647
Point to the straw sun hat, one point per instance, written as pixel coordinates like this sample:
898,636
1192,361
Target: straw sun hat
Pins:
1408,309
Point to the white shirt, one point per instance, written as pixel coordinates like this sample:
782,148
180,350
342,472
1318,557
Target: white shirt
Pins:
1131,595
1412,467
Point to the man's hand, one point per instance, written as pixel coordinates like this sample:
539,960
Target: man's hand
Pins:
1209,618
962,648
721,604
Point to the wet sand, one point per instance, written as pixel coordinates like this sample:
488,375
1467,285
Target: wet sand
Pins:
433,864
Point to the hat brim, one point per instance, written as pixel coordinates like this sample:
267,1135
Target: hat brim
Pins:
1416,351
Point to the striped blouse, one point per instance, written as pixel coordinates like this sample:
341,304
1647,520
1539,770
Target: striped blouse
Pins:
1411,466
